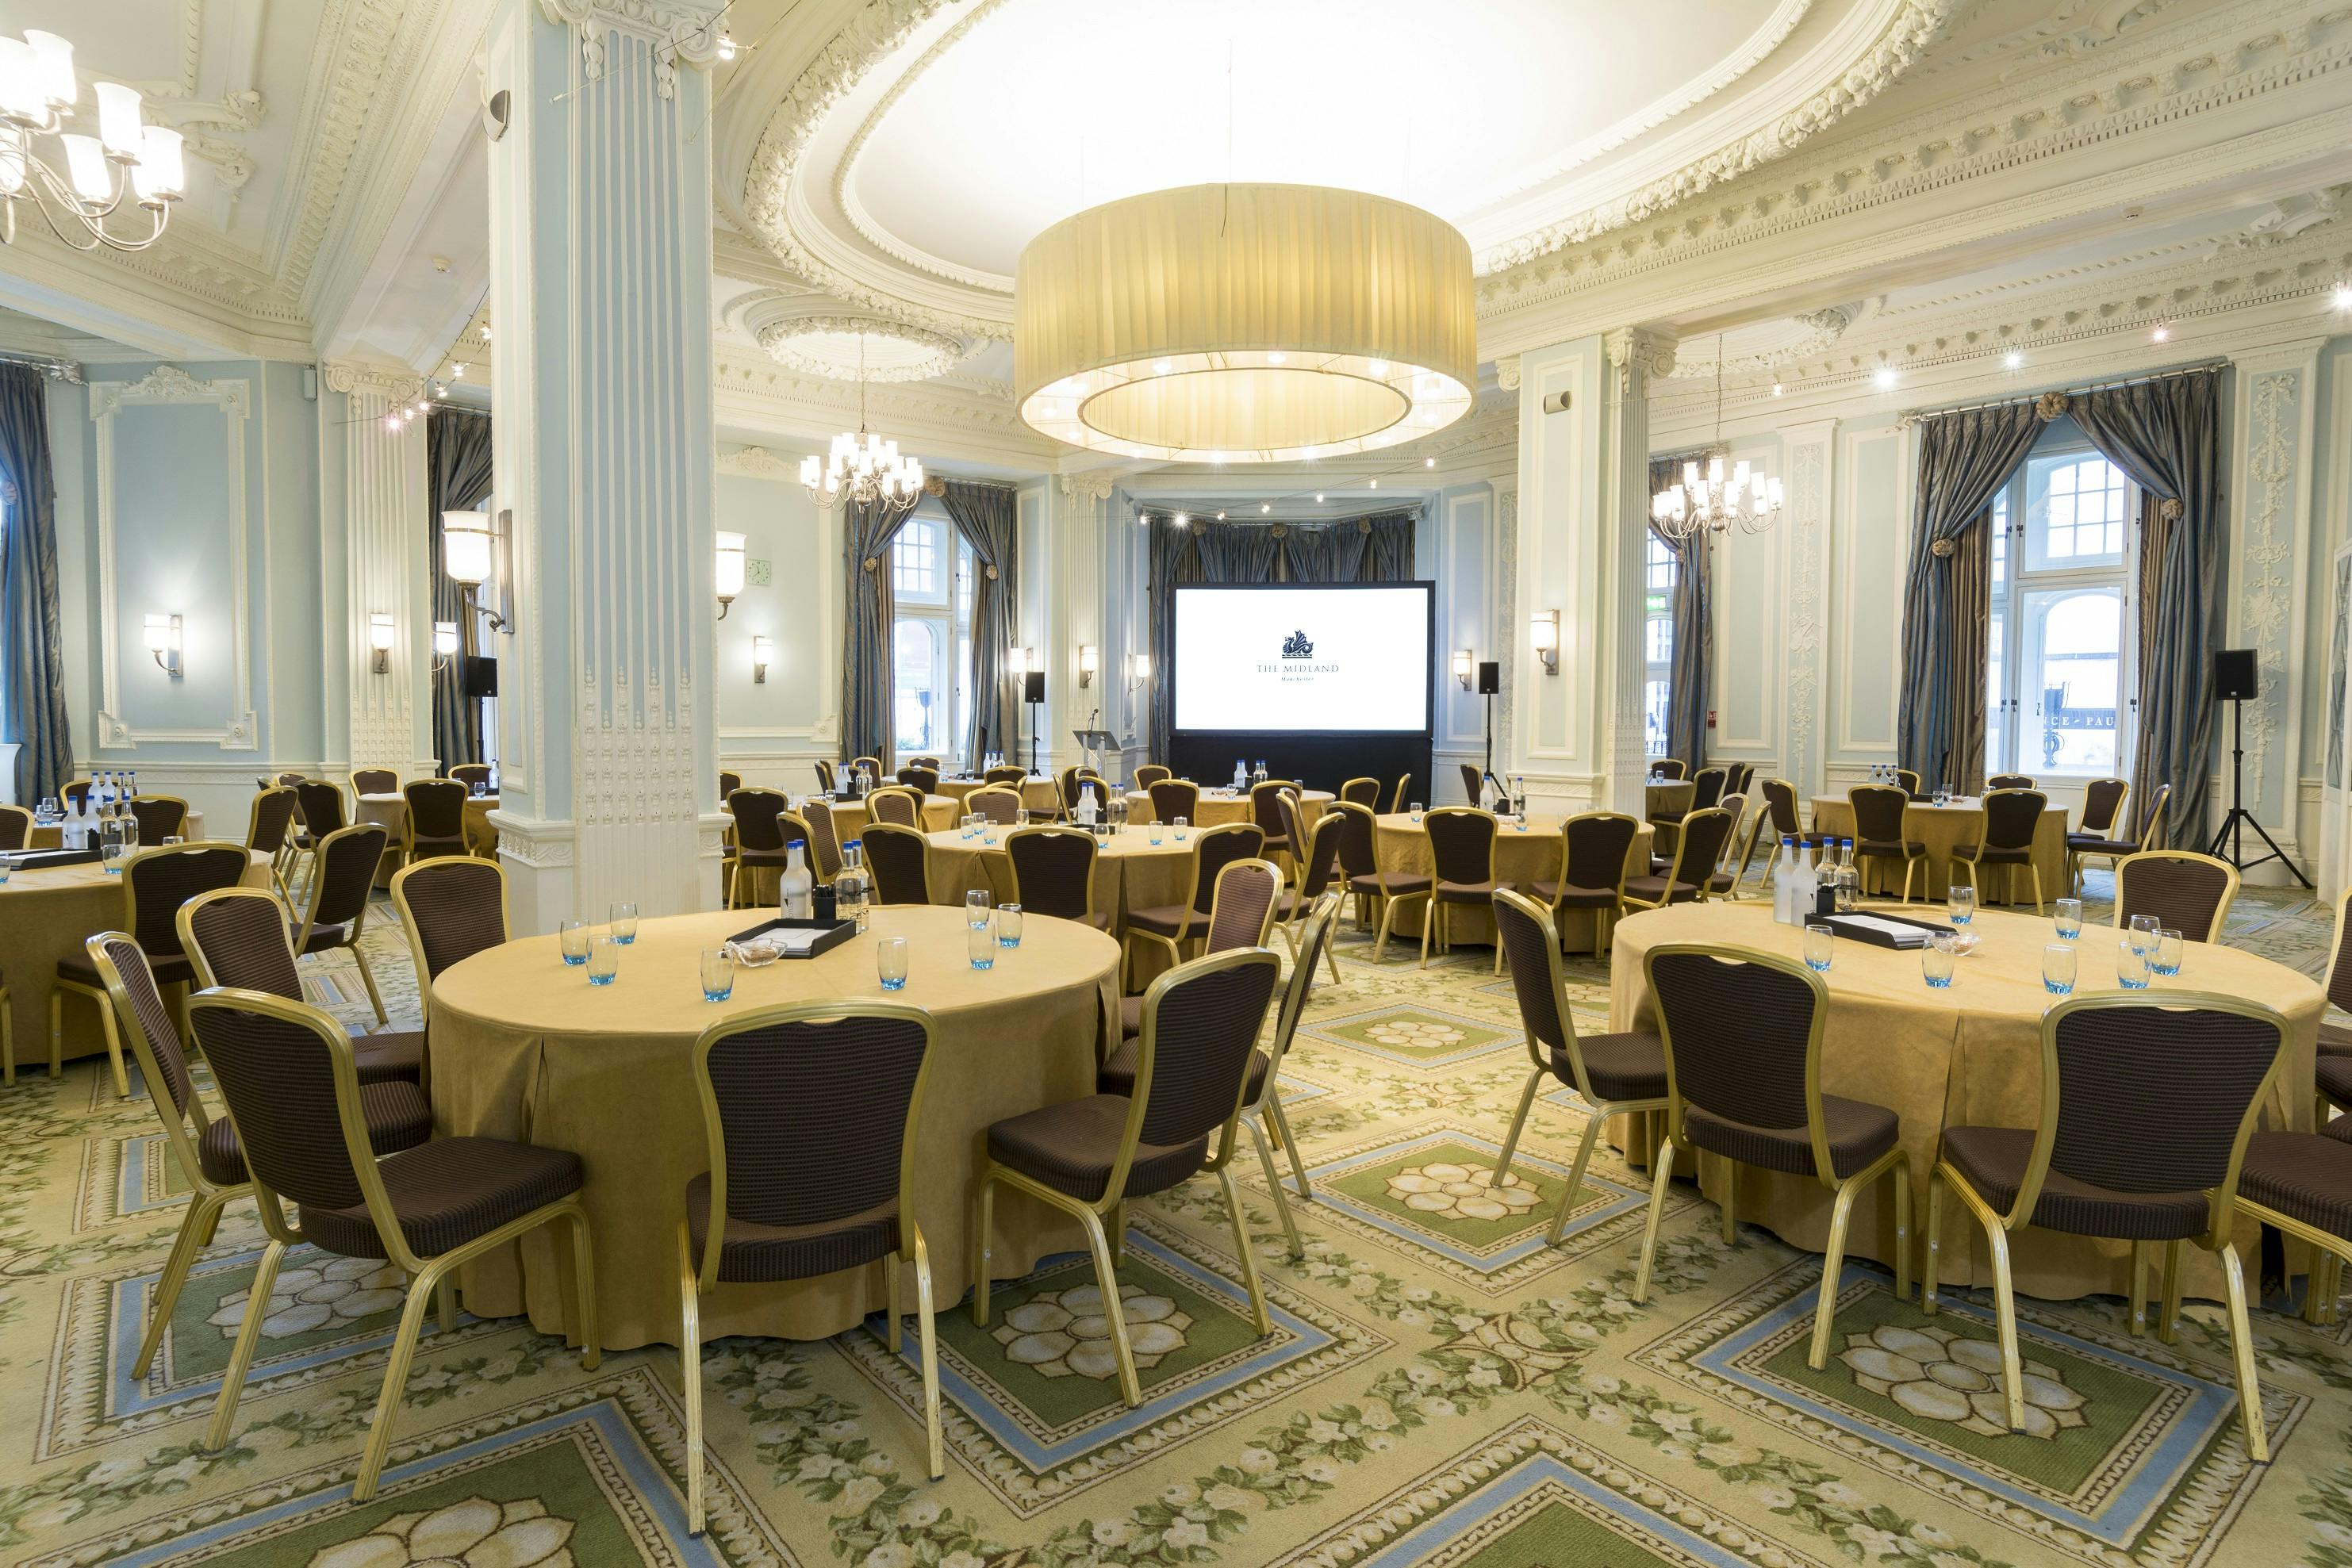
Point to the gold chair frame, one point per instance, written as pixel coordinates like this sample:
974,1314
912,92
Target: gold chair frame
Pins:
97,994
1396,801
1267,1107
301,937
1192,915
1428,895
1290,928
1674,872
417,938
1012,866
2232,881
1604,921
408,822
2150,837
179,800
886,829
2008,869
285,851
1911,862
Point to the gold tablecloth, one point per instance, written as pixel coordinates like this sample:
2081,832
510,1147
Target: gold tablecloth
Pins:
850,817
1968,1056
390,812
1399,843
52,835
46,916
1941,827
1037,794
1130,873
1220,808
1673,796
524,1048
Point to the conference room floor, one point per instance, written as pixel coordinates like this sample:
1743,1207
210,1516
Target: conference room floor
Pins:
1437,1379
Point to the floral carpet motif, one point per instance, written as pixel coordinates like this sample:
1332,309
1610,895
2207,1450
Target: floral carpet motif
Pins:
1440,1386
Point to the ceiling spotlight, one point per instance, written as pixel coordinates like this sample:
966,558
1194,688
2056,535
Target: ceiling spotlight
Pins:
2011,360
1221,516
457,370
1161,367
2161,335
1378,367
1376,484
726,47
1180,519
1777,388
485,332
1318,498
1429,463
1884,378
1276,357
2344,297
1264,508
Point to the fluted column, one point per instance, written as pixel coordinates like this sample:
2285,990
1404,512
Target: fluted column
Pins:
390,711
1636,354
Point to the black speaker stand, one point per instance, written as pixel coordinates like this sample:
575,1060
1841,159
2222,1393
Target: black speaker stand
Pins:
2233,825
1035,731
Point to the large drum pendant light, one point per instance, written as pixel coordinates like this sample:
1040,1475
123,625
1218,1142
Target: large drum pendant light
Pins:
1245,324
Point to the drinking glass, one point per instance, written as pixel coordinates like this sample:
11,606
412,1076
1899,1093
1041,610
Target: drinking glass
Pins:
1961,902
1943,798
173,841
1415,809
2164,959
1025,816
1180,826
1008,926
5,867
982,945
1157,831
2058,968
623,918
1819,940
49,808
718,974
971,823
2131,966
1936,962
975,907
112,856
2143,932
571,936
891,962
480,790
988,831
603,960
2069,919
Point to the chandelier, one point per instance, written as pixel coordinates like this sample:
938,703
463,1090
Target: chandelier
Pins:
1244,323
863,467
1709,500
38,91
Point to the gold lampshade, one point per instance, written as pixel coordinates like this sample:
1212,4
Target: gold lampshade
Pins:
1245,324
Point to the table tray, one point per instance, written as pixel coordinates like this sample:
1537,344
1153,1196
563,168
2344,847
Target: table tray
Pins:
41,860
1853,932
835,932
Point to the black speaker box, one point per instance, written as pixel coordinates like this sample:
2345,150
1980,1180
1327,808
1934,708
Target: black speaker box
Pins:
1032,687
2235,676
481,676
1490,677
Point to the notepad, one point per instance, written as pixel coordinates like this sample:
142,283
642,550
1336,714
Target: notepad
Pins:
1893,933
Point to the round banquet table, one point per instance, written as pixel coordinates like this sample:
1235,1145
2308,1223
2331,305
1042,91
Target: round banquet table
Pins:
1225,806
52,835
391,812
1037,794
850,817
1968,1056
1521,856
1130,873
1668,797
1941,827
523,1048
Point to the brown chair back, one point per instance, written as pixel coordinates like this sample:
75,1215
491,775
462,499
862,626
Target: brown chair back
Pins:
1670,768
1531,942
270,820
377,781
155,1039
1742,1031
1595,846
2009,781
1877,812
1743,774
1321,857
2103,802
1201,1023
922,780
2011,817
274,1066
452,909
1470,782
1007,774
1358,853
472,773
1149,774
1314,941
1698,845
825,776
2151,819
159,817
1460,844
320,807
2188,892
1265,805
348,859
1052,869
899,858
823,839
1241,911
16,827
436,814
77,791
728,781
1099,788
1174,798
1780,805
1706,787
998,804
872,765
1068,783
1214,848
893,804
1363,791
1396,801
1909,783
2339,970
236,937
756,812
155,883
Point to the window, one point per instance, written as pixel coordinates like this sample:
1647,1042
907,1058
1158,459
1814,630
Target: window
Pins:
931,695
1658,643
2060,644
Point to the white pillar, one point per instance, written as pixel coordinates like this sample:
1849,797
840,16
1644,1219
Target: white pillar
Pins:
1808,456
605,454
387,568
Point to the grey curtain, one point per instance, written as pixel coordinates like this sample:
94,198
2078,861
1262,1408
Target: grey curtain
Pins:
1360,549
867,729
33,704
456,480
1965,457
984,516
1694,651
1970,641
2167,436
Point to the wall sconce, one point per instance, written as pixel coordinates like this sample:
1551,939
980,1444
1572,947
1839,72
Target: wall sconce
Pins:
761,652
729,571
164,641
1089,661
1543,630
468,549
1139,670
444,644
379,638
1462,666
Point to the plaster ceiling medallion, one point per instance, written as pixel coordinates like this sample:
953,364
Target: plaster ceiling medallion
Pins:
1245,324
847,348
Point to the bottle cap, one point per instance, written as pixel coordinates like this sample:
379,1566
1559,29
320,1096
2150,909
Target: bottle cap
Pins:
795,843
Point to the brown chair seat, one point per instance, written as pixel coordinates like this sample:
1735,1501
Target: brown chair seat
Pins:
2303,1176
1721,881
2100,844
1469,891
1117,1075
753,1251
1652,888
1858,1133
393,1056
1993,855
324,937
1394,884
1164,919
2333,1076
2334,1040
397,1118
1568,895
447,1193
1905,847
1069,1147
169,968
1993,1160
1131,1023
1630,1066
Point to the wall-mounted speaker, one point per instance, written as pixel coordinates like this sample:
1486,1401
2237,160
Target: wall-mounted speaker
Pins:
2236,677
481,676
1033,685
1490,677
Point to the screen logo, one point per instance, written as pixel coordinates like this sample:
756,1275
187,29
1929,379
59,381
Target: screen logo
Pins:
1296,646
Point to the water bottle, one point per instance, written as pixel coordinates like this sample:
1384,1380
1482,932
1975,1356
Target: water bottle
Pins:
494,776
799,894
130,785
851,885
1241,775
1784,880
1086,807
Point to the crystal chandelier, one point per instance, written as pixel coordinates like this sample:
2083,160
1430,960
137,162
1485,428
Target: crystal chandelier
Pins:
863,467
1709,500
38,91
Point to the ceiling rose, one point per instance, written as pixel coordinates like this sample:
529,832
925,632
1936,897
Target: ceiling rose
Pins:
1244,323
836,347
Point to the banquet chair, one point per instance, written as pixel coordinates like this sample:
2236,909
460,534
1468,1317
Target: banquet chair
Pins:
2006,823
1241,914
1880,833
318,808
1671,768
2113,849
1707,786
1094,784
1318,867
374,781
922,780
823,839
1148,774
269,828
2301,1185
897,804
236,937
2103,801
338,909
1737,847
1780,812
1065,788
2334,1066
2187,892
1743,775
1007,774
1690,877
2009,781
1090,1157
1363,791
1265,810
1908,781
285,1072
810,1112
761,839
1172,924
1742,1033
1174,798
1264,1107
155,883
206,1151
1593,849
16,827
77,793
1612,1074
930,762
729,782
994,801
449,911
869,764
472,773
2148,1102
1462,855
1471,781
825,781
437,821
899,858
159,817
1054,871
1375,891
8,1041
1397,801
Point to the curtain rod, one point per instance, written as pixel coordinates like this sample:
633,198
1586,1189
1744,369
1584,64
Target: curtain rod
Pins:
2210,367
57,369
1195,513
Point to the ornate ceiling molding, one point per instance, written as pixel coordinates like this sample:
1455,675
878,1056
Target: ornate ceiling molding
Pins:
794,330
169,383
755,463
391,383
678,30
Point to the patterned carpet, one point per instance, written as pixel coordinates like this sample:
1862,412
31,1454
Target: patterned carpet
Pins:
1439,1386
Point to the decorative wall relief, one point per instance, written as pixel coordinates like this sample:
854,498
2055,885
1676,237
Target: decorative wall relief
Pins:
2263,589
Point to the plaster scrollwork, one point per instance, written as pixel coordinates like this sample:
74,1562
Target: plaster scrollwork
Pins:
925,353
2264,594
754,463
1507,371
1093,485
1648,350
680,31
169,383
390,384
1808,463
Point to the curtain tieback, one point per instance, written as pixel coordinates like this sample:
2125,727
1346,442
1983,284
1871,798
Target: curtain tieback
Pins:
992,573
2169,510
873,562
2049,406
1943,550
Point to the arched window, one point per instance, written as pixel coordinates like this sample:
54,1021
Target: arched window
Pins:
931,673
2060,645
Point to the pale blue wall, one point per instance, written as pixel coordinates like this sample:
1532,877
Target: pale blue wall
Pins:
779,524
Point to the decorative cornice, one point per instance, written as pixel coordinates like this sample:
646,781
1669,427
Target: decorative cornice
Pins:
755,463
936,352
1092,484
677,30
392,384
169,383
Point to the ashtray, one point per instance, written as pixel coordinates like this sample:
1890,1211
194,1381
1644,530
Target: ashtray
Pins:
753,955
1964,942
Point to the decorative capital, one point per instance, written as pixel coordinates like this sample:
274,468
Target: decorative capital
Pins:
1093,485
677,30
1649,349
1507,371
391,383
